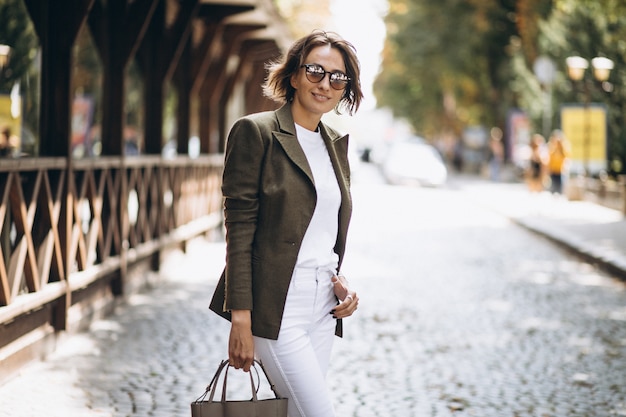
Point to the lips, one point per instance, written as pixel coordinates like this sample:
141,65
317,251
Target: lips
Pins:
321,97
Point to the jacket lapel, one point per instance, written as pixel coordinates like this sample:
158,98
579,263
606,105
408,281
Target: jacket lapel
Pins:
337,150
288,140
337,145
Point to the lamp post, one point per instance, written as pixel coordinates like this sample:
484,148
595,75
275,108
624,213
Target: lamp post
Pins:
545,71
5,52
576,67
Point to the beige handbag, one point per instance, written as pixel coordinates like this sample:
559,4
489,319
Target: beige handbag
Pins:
271,407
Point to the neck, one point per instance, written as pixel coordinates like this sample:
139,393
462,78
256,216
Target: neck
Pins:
307,120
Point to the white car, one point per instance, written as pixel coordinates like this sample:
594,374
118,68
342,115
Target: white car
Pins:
414,161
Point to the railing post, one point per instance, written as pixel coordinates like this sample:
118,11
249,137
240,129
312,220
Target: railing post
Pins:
622,182
66,223
119,282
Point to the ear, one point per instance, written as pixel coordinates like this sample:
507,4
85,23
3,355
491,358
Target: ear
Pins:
293,80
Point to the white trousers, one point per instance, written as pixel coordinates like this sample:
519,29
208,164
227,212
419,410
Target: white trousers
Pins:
298,360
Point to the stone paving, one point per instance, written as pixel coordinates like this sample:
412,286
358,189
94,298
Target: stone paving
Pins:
149,359
473,337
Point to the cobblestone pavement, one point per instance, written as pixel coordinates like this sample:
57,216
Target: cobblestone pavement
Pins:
463,313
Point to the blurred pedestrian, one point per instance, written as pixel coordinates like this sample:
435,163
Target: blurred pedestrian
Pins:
496,154
536,172
8,142
287,207
558,160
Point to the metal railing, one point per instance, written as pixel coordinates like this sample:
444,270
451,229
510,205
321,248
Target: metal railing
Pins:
66,224
606,192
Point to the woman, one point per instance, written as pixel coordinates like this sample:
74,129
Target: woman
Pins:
558,159
537,164
287,207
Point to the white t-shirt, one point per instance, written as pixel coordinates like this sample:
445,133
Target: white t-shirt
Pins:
321,235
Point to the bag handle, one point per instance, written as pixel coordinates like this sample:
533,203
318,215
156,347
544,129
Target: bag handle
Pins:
212,387
254,389
269,380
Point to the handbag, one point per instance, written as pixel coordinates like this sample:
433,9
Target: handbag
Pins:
270,407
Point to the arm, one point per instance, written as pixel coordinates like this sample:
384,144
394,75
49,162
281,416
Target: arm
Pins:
242,170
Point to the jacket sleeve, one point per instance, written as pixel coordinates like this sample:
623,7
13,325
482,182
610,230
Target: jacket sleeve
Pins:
240,189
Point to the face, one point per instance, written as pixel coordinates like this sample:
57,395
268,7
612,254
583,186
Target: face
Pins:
313,99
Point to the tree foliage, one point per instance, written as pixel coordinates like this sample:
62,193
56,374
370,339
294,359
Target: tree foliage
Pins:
445,62
456,63
16,31
591,28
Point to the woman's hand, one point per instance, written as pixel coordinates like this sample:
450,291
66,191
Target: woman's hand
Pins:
349,300
240,342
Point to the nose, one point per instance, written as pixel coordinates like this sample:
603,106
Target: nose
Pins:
326,81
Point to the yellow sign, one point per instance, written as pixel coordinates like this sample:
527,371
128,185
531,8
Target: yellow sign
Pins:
586,129
10,123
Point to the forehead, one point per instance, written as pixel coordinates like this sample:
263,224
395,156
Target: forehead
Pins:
327,56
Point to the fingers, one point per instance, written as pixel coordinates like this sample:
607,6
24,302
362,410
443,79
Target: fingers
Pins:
240,349
347,307
340,286
240,361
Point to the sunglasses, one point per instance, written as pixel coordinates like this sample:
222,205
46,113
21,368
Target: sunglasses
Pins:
315,73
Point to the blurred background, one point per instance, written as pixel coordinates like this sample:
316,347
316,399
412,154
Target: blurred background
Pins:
491,138
451,71
448,72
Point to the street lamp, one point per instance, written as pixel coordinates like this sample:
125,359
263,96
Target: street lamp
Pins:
601,70
576,67
5,51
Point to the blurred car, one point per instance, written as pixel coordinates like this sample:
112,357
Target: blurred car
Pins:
414,161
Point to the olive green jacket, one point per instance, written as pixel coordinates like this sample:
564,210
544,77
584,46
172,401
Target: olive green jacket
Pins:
269,198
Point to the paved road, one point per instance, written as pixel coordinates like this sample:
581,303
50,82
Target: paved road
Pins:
464,313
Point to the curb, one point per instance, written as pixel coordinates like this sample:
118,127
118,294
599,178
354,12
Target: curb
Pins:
611,263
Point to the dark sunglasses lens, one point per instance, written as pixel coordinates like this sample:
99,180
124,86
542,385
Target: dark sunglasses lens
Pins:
314,74
338,81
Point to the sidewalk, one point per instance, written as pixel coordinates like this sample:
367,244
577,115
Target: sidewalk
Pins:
157,352
594,232
151,357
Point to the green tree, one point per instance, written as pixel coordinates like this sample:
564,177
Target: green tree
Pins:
445,63
591,28
16,31
450,64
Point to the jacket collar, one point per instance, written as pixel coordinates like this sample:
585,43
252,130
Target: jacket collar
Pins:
287,125
285,120
286,136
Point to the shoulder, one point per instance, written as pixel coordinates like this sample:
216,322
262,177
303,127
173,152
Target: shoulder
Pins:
266,118
253,127
262,117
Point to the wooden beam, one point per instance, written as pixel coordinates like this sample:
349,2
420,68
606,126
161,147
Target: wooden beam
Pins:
183,83
254,52
57,26
137,21
152,62
116,48
177,35
218,10
209,41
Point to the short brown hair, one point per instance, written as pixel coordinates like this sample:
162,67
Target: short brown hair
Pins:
278,87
